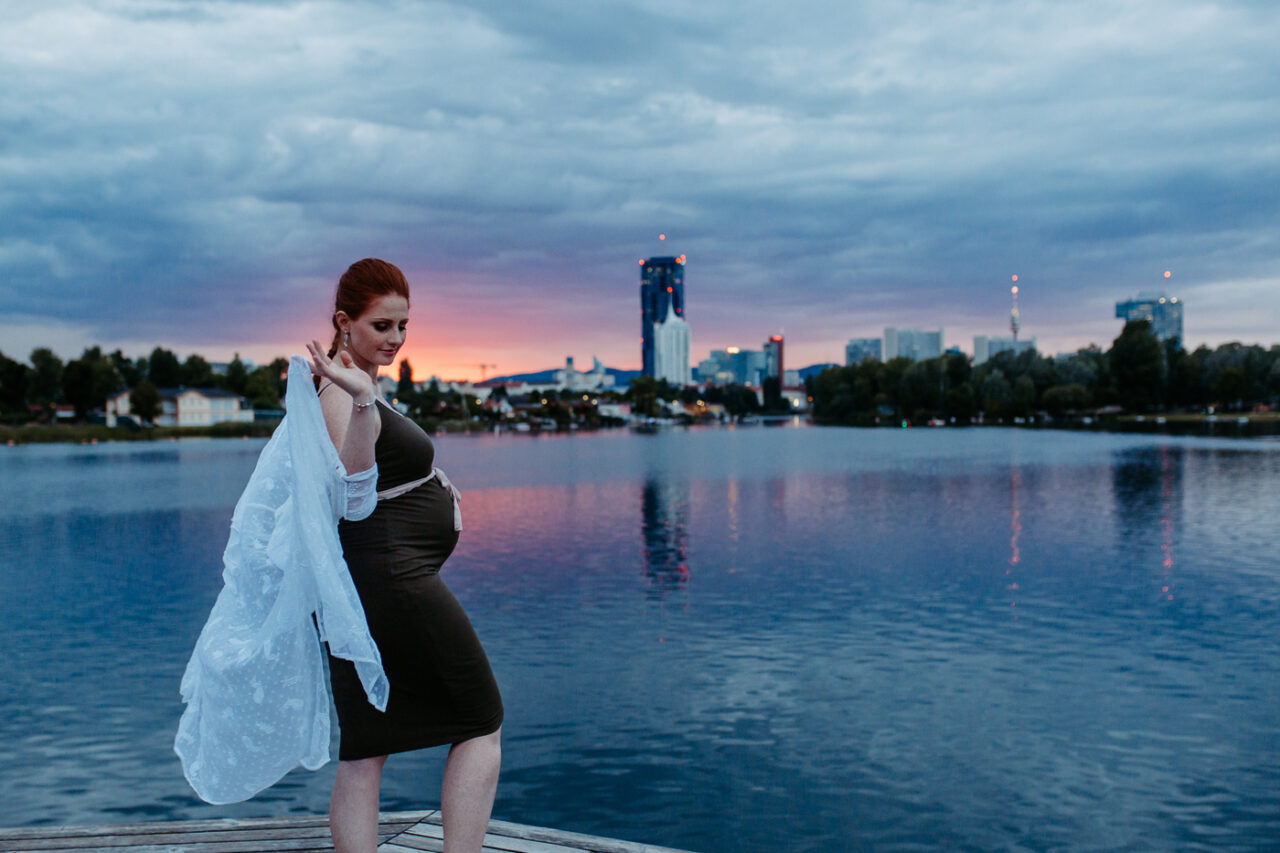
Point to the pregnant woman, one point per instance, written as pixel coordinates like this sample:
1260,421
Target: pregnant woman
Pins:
441,688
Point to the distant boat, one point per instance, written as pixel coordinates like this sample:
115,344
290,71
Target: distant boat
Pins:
651,424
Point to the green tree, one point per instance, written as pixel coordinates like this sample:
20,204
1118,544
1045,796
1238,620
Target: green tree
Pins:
959,402
405,386
77,386
195,372
144,402
1062,399
88,380
15,378
131,371
262,390
1180,381
997,395
773,395
46,377
1137,366
237,376
643,394
1231,386
1024,396
163,369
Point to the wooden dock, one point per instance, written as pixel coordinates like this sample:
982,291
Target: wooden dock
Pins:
398,832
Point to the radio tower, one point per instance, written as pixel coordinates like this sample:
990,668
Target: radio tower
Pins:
1013,315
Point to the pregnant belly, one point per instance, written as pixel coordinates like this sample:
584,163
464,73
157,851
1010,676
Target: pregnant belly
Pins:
403,538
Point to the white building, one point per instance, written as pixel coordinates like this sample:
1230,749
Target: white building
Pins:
984,347
576,380
187,407
915,344
671,349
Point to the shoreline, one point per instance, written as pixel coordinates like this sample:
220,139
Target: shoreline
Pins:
1251,424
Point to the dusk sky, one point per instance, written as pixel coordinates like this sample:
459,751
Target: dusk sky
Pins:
196,175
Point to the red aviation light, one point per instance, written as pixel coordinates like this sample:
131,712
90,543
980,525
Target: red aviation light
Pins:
1013,278
1168,273
680,260
662,236
642,262
669,290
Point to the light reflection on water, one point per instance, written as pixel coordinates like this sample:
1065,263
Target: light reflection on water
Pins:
753,640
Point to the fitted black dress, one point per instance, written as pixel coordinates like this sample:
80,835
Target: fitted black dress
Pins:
442,689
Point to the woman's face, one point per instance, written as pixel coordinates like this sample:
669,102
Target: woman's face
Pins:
378,333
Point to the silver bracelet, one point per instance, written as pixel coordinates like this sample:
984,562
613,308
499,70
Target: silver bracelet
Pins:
364,405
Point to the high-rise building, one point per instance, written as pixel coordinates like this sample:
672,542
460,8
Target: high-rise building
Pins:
859,349
773,358
915,344
661,288
984,348
1164,313
671,349
733,365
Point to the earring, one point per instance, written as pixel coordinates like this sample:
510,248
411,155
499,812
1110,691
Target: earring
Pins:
346,339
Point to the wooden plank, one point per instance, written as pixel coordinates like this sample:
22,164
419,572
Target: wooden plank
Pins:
258,833
227,847
226,835
405,843
397,847
492,841
509,834
579,840
397,821
150,827
398,832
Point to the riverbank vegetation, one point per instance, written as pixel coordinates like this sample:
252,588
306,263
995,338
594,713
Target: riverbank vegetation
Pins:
1138,375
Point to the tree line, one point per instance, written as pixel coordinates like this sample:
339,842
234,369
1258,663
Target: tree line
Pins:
32,391
1139,374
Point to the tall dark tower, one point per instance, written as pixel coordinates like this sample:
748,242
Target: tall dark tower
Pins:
661,288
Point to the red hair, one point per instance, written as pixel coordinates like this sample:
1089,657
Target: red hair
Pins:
363,282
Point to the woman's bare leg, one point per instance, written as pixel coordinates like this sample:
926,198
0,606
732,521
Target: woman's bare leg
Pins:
470,781
353,809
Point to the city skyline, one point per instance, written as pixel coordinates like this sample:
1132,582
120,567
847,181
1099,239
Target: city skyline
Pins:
196,175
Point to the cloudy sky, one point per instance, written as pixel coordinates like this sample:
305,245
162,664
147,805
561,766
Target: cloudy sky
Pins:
197,174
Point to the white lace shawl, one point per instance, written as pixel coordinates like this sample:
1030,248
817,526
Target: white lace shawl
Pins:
257,699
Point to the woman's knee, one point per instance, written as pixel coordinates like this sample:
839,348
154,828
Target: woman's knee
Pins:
363,767
489,745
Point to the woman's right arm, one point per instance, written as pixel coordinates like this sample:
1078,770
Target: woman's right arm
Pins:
352,428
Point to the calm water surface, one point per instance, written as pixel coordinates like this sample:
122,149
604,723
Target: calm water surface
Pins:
728,640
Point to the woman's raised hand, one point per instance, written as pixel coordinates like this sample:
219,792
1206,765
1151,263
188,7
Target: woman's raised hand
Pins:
342,371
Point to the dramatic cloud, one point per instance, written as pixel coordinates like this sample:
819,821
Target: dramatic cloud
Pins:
197,174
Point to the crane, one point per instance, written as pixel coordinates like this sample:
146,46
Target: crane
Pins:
483,368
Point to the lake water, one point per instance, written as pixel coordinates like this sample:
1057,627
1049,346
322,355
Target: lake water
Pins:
759,639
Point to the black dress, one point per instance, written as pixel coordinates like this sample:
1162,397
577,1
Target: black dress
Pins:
442,689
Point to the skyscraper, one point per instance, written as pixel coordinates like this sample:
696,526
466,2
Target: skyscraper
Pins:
661,288
915,344
862,348
773,358
984,347
671,349
1164,313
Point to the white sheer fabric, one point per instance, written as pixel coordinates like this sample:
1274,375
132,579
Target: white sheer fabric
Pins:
257,699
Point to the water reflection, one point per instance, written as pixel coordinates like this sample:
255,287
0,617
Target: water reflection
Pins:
1015,530
664,527
1148,489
